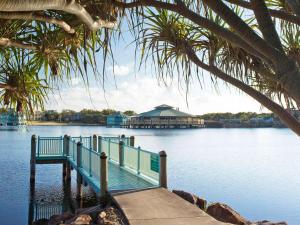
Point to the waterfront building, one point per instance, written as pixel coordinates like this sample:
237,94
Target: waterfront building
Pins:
117,119
11,120
71,116
164,116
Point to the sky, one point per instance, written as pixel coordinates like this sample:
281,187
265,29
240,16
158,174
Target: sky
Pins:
128,88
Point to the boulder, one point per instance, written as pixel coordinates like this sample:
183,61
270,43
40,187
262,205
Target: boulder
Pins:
58,219
266,222
110,216
201,203
224,213
83,219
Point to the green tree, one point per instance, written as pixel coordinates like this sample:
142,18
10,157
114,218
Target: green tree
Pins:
130,113
236,41
107,112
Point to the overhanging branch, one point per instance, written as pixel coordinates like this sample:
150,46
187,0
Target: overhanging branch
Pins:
284,115
31,16
6,42
274,13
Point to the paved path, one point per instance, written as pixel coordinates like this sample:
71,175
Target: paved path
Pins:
161,207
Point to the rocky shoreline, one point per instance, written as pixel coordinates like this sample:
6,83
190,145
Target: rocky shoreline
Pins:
97,215
111,215
221,211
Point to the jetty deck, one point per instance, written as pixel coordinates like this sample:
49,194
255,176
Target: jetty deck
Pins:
161,207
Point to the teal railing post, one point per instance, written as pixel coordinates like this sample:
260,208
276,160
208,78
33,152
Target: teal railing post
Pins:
61,145
99,144
90,161
108,149
80,139
139,160
79,177
90,144
38,147
73,149
163,169
121,153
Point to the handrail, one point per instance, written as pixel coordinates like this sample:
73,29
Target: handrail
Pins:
138,161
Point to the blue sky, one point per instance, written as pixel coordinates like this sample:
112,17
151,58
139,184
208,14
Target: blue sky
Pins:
131,89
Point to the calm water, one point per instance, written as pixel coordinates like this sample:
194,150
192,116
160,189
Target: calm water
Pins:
256,171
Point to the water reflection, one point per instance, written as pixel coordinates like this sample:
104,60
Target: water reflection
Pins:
56,199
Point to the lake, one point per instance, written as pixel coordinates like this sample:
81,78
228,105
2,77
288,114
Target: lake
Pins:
255,171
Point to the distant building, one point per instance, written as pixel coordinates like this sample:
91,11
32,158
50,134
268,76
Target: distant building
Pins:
69,117
117,119
165,116
37,115
11,119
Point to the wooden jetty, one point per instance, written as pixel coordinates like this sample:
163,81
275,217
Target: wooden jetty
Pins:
136,179
106,164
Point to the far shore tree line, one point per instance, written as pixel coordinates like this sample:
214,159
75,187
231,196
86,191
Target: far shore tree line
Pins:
227,119
89,116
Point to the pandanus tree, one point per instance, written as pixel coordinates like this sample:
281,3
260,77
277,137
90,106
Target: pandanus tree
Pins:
21,86
252,45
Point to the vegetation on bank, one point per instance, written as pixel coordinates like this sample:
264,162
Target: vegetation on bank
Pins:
243,116
90,116
86,116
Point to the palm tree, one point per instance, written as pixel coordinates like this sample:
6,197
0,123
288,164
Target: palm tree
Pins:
26,90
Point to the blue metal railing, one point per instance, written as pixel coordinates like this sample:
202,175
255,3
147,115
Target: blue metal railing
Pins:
136,160
86,141
49,146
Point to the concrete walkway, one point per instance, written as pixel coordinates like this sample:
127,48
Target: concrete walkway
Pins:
161,207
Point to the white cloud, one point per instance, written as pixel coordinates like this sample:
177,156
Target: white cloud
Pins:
121,70
143,93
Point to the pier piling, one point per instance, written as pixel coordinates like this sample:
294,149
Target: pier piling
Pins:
121,153
95,140
163,169
32,159
68,165
103,175
79,177
132,141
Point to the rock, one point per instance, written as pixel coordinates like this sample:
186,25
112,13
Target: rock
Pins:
110,216
224,213
58,219
91,211
83,219
41,222
266,222
201,203
102,214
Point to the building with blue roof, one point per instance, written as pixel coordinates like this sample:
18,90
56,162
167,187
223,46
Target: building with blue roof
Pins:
117,119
